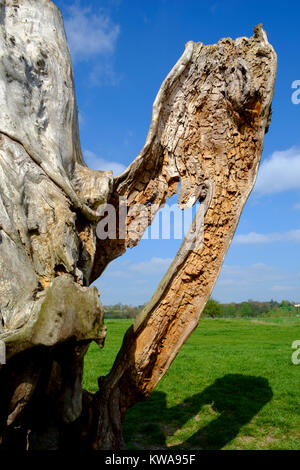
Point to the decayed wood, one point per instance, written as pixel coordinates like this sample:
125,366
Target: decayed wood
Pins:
209,134
207,131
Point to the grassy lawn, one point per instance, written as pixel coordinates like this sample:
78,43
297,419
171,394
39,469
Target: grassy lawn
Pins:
232,386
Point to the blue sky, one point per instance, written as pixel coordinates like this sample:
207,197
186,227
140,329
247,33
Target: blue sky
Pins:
121,51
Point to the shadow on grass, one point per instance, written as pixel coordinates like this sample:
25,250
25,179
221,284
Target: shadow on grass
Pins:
234,398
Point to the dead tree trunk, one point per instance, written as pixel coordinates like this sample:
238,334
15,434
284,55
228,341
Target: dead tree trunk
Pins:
207,132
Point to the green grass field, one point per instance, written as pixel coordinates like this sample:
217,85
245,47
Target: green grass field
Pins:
232,386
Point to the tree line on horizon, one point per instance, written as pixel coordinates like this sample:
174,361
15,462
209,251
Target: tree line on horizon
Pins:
215,309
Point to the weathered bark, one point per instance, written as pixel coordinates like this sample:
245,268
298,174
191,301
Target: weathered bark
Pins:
207,131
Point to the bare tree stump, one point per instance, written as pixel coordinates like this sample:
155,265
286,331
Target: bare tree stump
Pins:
209,121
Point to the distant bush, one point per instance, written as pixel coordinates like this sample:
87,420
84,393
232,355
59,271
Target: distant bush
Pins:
121,311
215,309
212,309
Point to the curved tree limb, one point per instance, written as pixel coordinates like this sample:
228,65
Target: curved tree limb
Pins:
209,133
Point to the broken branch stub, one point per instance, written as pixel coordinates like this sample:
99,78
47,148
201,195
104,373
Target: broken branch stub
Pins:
207,131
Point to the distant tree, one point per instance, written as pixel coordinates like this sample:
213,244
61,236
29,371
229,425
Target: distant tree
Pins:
286,305
246,310
213,309
229,310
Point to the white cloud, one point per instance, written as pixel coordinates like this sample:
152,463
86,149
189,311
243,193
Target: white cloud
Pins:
280,172
255,273
281,288
103,74
297,206
89,34
133,283
258,282
152,266
81,119
97,163
254,238
119,274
